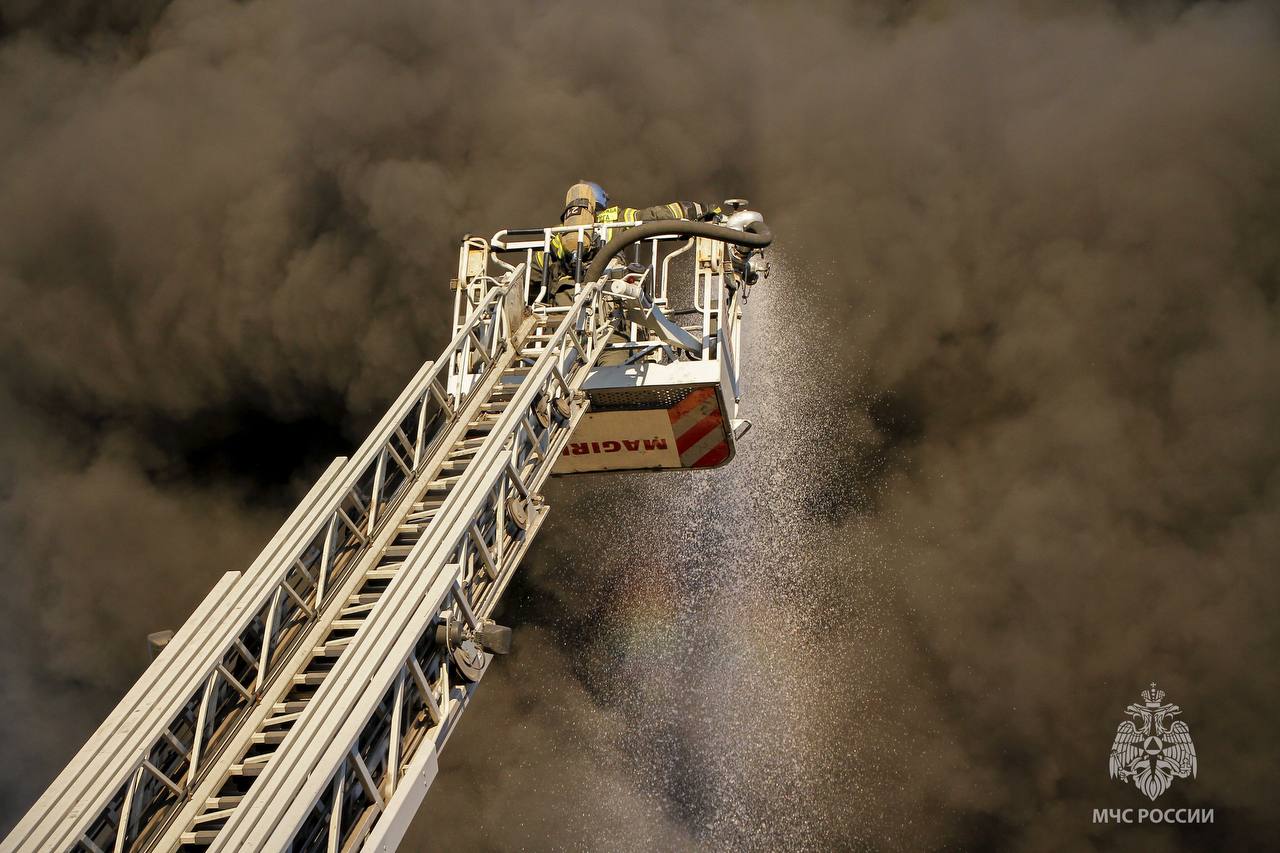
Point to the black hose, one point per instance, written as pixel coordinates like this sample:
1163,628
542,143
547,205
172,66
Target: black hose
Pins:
757,236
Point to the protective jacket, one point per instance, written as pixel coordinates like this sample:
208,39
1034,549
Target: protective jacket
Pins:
673,210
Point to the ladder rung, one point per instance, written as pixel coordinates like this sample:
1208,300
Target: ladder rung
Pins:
309,678
210,817
422,517
347,624
269,737
247,769
331,649
202,837
282,719
223,802
288,707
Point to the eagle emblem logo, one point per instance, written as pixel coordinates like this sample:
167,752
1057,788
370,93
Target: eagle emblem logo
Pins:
1151,748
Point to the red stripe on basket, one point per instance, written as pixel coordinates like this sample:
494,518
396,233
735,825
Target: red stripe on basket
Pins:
714,456
695,433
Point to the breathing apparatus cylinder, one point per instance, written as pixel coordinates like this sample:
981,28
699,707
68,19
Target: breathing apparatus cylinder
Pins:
579,209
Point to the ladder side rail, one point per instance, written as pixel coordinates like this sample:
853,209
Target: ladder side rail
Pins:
42,814
221,694
574,348
265,579
106,761
312,733
190,822
300,651
366,743
407,779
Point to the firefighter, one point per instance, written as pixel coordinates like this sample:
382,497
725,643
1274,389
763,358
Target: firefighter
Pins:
587,203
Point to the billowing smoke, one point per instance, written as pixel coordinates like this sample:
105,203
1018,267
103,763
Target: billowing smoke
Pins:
1014,454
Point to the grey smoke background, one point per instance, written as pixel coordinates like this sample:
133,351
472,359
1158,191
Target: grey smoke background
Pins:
1015,450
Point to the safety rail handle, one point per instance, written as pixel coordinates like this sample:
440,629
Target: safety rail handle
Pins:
278,599
535,291
714,284
481,267
498,240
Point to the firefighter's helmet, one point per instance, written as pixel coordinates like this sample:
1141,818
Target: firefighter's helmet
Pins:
598,195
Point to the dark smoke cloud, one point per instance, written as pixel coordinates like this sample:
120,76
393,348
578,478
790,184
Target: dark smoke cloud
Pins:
1015,449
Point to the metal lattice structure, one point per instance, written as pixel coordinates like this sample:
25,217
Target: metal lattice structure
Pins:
304,703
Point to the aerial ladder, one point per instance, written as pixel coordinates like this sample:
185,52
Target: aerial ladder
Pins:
304,703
